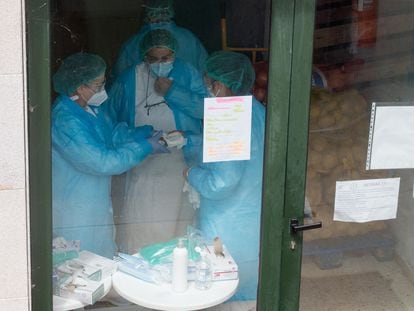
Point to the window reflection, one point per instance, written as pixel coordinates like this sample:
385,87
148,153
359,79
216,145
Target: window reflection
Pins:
362,54
128,171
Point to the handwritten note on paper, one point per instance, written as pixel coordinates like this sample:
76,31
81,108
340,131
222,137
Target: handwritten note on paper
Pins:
366,200
227,128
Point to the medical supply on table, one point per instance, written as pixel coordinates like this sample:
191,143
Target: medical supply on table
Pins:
218,247
63,250
107,266
58,257
89,266
223,266
203,272
85,291
139,268
179,269
82,278
162,253
82,270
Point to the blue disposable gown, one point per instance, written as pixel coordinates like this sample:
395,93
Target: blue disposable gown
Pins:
185,98
190,49
86,151
230,205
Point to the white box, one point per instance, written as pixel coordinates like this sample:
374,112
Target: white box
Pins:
223,268
74,266
88,292
90,266
106,265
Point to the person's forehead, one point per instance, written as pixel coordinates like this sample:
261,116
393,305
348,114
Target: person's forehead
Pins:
159,51
99,80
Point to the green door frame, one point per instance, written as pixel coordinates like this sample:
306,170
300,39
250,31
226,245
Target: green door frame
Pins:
285,154
39,150
291,44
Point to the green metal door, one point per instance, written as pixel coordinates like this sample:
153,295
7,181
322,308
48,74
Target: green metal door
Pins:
286,148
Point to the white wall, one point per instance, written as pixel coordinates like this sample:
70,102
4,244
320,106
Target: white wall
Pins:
14,293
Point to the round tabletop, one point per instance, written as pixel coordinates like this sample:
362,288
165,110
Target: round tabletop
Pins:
162,297
64,304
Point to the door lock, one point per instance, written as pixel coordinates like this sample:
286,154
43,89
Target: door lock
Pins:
295,227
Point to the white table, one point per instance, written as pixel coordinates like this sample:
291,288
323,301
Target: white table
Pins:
162,297
65,304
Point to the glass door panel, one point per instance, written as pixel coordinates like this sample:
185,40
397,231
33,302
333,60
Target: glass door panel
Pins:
362,258
118,188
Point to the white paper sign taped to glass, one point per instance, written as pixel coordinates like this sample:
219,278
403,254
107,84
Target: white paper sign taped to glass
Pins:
391,136
366,200
227,128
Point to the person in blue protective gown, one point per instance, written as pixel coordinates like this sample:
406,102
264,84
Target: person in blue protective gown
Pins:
159,15
167,93
230,191
87,149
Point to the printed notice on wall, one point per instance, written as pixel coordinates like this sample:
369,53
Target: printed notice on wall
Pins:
366,200
227,128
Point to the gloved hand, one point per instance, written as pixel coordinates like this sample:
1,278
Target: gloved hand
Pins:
193,195
157,147
175,139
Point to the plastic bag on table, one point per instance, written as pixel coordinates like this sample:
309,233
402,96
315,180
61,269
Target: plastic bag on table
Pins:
138,267
161,253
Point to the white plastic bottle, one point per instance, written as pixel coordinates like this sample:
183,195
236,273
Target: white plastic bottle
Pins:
179,280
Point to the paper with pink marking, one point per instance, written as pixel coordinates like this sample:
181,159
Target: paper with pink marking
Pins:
227,128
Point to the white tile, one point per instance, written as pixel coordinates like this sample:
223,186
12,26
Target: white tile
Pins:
13,241
11,37
12,157
21,304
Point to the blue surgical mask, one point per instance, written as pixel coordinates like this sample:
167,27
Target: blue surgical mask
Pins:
162,69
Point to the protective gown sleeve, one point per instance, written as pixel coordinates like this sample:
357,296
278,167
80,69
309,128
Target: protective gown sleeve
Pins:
193,150
120,106
81,147
122,133
216,181
188,98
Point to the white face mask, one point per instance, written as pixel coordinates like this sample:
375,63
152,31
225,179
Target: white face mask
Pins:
98,98
211,93
162,69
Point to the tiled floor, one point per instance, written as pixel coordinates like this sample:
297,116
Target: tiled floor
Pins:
363,283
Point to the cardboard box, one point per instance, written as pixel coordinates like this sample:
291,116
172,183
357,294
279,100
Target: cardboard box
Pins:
223,268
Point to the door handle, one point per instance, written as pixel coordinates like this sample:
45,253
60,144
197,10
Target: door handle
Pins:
295,227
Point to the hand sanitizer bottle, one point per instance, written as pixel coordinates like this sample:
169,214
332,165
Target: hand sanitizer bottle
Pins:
179,268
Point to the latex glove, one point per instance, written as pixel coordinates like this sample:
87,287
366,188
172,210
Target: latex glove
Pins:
193,195
175,139
157,146
162,85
